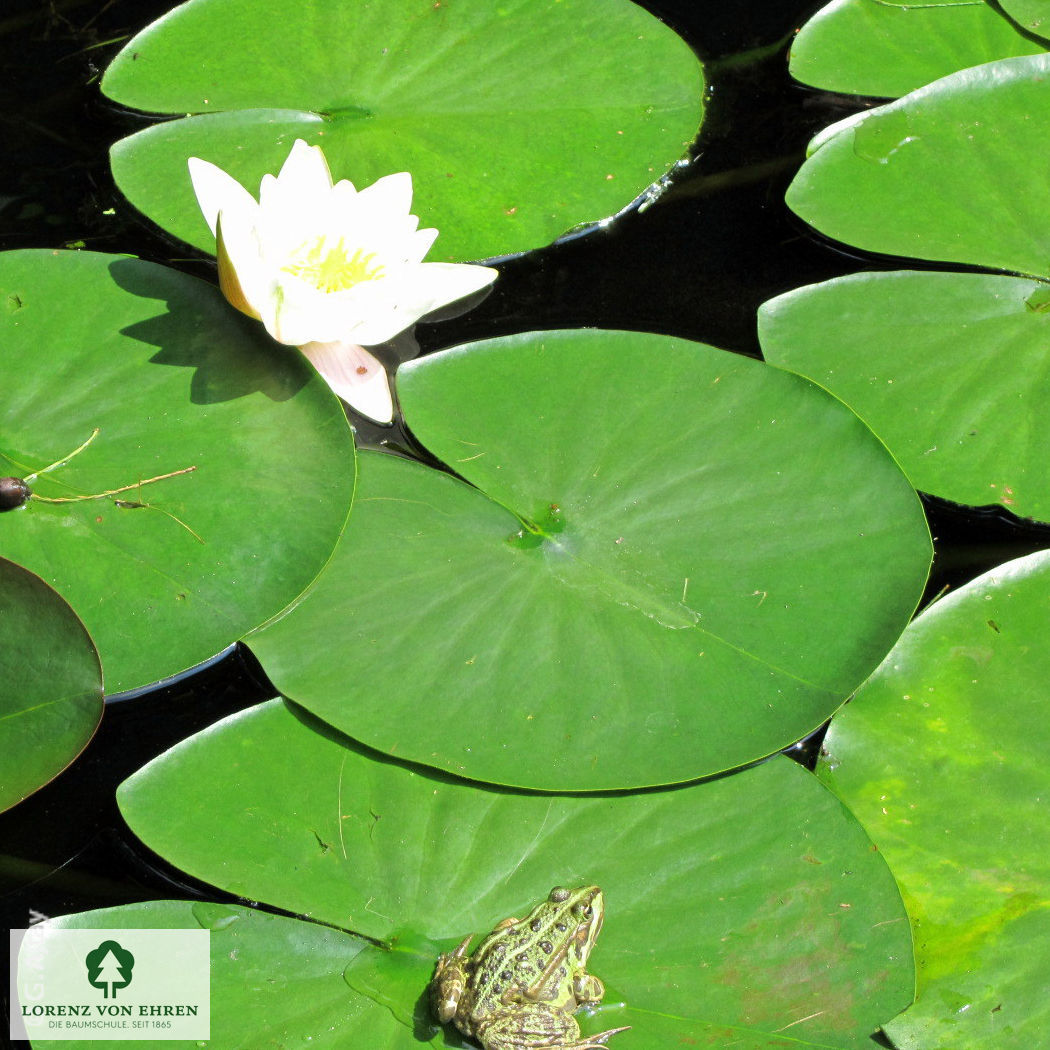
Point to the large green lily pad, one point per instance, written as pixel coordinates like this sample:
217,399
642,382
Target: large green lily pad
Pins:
942,756
769,911
884,48
51,697
945,173
948,369
627,600
167,574
1033,16
274,980
512,130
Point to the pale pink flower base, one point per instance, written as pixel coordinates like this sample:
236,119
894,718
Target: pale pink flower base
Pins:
355,375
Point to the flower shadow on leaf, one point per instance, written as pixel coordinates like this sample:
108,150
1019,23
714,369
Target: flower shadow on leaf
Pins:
230,355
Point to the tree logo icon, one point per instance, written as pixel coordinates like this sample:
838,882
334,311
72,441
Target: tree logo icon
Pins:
109,967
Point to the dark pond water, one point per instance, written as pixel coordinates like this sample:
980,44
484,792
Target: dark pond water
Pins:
697,264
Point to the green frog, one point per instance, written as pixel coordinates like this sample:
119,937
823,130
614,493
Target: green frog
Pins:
519,989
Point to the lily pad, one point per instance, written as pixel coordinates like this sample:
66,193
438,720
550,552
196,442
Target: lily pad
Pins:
274,980
513,132
606,576
167,573
770,911
942,756
945,173
51,697
880,48
948,369
884,48
1033,16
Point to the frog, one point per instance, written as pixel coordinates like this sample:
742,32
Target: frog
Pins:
519,989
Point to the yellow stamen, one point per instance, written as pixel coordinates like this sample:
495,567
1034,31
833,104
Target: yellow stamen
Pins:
332,269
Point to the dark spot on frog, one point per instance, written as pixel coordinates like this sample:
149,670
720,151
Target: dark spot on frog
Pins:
505,975
483,978
560,927
547,946
499,951
521,956
535,925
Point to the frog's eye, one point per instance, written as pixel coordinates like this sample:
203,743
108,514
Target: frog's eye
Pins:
559,895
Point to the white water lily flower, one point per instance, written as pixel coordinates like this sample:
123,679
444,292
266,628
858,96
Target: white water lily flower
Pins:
328,268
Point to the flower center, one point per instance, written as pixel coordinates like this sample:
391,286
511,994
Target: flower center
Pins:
332,269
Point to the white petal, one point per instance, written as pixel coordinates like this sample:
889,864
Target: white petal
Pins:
375,311
355,375
342,197
389,196
363,222
418,290
422,242
299,312
217,191
288,220
305,170
295,205
443,283
398,243
240,242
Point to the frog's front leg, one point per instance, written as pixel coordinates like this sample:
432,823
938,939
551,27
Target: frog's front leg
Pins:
537,1026
449,982
587,988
